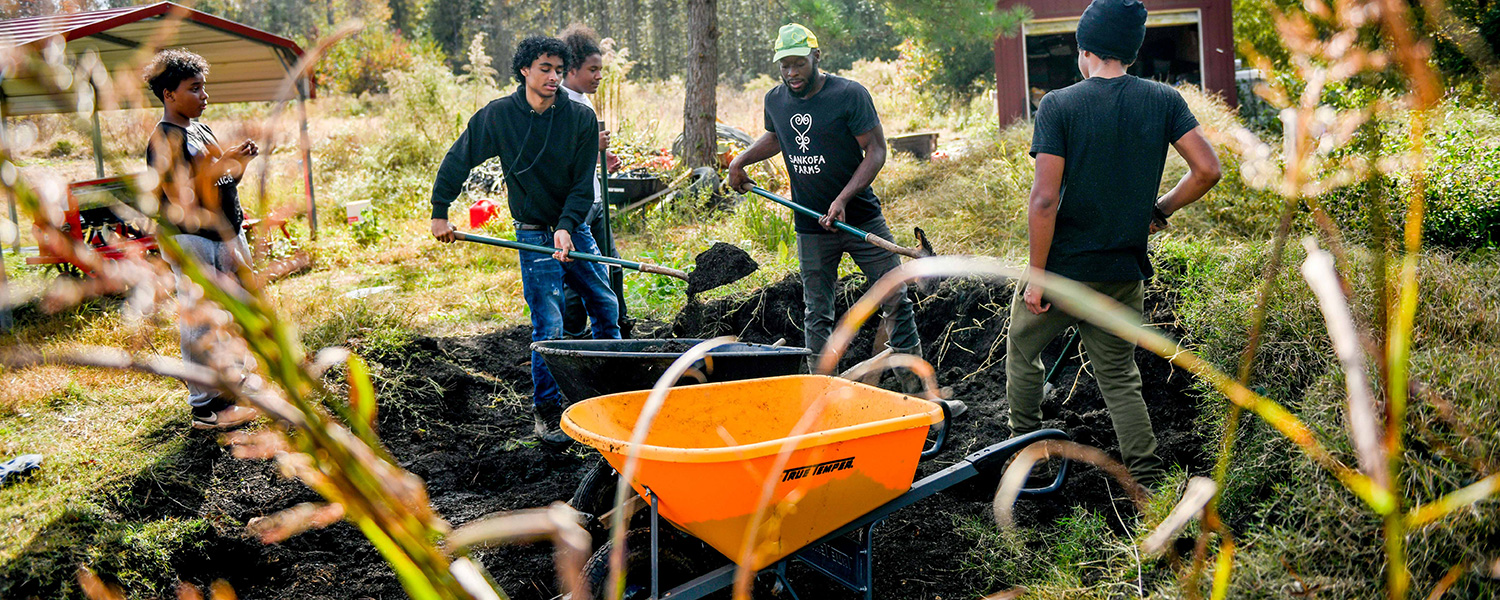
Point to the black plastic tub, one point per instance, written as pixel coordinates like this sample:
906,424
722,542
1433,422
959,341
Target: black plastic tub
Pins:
588,368
630,186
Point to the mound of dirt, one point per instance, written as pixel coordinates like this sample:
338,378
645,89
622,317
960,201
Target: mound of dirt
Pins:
456,412
719,265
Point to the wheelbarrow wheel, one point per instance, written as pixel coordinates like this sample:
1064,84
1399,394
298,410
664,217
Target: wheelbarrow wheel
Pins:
596,492
675,562
595,497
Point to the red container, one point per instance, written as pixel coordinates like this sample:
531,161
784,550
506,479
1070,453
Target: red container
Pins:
481,212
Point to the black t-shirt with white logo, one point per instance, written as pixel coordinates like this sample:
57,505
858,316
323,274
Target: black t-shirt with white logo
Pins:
1113,136
817,137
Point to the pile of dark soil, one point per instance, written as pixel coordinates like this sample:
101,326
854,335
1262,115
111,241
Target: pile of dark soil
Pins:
456,412
719,265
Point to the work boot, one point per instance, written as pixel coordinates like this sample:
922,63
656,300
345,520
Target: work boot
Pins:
547,423
907,382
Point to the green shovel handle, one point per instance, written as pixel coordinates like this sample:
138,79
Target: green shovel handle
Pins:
873,239
608,260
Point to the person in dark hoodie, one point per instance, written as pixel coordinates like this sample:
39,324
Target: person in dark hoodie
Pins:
1100,146
548,147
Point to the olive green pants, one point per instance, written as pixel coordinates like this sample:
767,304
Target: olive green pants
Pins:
1111,359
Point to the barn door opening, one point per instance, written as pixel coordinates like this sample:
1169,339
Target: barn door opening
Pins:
1172,53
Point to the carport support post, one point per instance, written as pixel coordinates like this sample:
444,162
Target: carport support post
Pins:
5,320
307,174
10,198
98,133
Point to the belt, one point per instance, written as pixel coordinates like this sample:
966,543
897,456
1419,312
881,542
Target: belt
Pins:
529,227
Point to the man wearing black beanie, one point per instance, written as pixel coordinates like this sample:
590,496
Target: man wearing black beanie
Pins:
1100,147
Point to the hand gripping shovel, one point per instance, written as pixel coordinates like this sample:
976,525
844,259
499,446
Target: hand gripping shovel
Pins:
923,251
732,262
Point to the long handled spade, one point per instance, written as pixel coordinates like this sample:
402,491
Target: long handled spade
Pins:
729,262
924,250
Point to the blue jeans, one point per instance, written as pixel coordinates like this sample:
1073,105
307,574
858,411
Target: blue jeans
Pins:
222,260
542,281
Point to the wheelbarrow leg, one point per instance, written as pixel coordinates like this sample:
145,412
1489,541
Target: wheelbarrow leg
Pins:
655,573
783,582
847,559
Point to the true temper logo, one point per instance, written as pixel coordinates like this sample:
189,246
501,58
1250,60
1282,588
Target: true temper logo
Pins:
802,123
796,473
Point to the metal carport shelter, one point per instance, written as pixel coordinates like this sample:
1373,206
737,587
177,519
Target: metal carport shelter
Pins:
248,65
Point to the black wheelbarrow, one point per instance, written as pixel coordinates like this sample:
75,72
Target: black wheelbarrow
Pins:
588,368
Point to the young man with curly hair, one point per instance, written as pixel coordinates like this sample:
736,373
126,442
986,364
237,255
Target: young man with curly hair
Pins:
198,186
548,147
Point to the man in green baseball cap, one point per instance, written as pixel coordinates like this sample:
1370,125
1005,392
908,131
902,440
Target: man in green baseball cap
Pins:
827,129
794,40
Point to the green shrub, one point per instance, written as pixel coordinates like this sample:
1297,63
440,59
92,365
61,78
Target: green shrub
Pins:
368,231
768,227
1463,184
63,147
657,296
1462,164
359,64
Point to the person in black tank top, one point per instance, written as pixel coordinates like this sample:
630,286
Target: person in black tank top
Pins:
1100,146
197,185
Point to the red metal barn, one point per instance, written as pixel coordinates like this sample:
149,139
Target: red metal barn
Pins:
1187,41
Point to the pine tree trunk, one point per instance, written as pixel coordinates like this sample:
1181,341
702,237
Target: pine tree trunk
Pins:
700,99
632,14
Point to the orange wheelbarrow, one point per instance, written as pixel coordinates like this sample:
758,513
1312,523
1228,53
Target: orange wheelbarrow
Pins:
712,448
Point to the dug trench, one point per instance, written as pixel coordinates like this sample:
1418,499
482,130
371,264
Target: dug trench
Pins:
455,411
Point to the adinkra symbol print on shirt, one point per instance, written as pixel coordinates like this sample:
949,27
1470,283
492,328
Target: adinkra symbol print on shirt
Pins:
804,164
802,123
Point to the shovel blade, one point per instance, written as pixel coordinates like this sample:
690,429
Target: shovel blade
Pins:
924,246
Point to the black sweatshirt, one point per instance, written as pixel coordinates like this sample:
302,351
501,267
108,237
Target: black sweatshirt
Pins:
549,159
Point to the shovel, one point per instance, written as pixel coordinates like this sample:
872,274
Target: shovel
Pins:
730,262
925,249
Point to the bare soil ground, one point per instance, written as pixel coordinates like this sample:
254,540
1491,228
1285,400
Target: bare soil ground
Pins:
455,411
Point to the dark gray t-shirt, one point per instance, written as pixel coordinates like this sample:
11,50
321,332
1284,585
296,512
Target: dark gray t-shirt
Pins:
817,137
1113,136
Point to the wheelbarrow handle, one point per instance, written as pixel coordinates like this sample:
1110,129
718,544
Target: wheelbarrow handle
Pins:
873,239
942,434
608,260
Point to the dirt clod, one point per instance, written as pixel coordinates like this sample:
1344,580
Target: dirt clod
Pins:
720,265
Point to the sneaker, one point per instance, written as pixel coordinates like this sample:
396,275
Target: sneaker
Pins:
547,423
230,417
